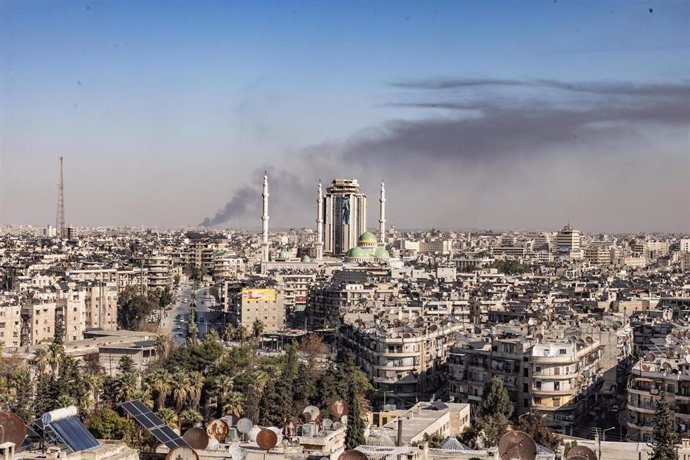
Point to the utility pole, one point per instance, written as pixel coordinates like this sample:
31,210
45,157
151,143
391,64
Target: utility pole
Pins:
60,218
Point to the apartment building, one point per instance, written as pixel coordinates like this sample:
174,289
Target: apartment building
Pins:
158,271
476,360
565,379
10,322
405,359
663,371
38,320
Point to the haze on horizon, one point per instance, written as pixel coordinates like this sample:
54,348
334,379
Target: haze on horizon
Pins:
503,115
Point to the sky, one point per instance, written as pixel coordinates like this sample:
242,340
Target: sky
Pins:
499,115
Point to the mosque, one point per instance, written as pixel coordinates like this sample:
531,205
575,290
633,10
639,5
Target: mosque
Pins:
341,214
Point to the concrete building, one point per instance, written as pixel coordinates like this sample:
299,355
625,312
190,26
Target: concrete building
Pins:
568,243
10,322
565,379
265,305
345,216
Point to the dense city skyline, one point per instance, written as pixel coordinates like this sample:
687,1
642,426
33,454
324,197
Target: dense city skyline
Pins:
477,115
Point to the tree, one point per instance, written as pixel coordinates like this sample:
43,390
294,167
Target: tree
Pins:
133,307
107,424
496,399
354,435
257,328
534,426
486,432
665,435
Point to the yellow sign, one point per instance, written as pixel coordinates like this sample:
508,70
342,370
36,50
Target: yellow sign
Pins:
259,295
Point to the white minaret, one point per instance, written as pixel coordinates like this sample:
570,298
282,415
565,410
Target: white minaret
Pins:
264,222
319,223
382,216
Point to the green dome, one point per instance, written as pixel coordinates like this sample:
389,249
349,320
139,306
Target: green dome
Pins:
358,253
306,258
285,254
381,253
367,237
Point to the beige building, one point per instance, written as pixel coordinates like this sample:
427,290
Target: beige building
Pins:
39,320
265,305
10,323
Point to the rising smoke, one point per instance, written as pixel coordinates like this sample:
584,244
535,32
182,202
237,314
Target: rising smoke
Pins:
476,132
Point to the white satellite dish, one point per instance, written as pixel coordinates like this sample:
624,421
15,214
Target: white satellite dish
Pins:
343,419
311,413
244,425
328,423
253,433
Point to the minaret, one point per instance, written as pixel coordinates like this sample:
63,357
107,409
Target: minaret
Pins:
264,222
382,216
319,223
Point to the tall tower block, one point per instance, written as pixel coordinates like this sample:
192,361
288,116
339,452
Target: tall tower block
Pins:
60,218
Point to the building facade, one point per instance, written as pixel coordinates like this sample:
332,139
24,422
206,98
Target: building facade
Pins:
345,216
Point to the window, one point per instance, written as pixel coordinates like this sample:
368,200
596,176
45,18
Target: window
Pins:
562,351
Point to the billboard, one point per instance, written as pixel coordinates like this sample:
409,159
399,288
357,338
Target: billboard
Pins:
258,295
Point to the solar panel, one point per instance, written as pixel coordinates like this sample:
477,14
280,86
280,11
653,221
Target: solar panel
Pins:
439,405
63,426
146,418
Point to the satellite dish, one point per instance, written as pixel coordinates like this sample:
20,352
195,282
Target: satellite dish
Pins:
589,340
650,357
338,425
266,439
327,424
311,413
218,430
244,425
196,438
517,445
531,322
236,452
182,453
343,419
540,336
13,428
687,359
278,432
253,433
339,408
581,453
353,455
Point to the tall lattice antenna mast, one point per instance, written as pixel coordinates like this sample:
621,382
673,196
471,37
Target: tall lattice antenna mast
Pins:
60,220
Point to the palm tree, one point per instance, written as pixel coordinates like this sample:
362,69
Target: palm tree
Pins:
196,384
180,389
125,386
41,359
242,333
257,328
94,382
160,382
232,405
169,417
228,333
163,346
55,354
190,418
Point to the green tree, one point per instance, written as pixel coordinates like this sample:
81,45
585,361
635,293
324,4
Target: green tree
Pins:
496,399
534,426
107,424
257,328
485,432
354,435
134,307
665,436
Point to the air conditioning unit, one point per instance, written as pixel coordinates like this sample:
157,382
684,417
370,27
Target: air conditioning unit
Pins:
310,430
389,407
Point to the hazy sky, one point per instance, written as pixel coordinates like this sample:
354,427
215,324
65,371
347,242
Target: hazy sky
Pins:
478,114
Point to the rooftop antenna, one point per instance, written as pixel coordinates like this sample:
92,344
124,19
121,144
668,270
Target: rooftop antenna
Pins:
60,219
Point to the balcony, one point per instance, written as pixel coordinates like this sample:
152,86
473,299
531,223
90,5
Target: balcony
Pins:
553,392
644,408
543,376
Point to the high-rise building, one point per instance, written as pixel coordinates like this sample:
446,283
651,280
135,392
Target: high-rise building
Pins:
345,213
568,242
